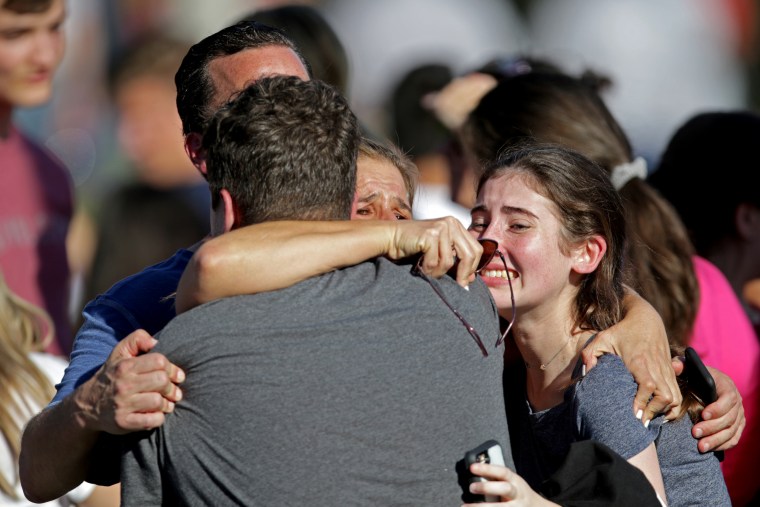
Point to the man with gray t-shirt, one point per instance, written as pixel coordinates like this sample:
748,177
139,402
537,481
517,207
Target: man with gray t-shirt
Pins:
360,386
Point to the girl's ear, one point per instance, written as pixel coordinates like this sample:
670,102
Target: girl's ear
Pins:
589,254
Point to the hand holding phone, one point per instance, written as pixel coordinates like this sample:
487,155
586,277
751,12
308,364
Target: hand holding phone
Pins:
700,382
488,452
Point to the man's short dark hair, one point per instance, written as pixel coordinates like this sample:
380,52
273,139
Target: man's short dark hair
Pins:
285,149
195,88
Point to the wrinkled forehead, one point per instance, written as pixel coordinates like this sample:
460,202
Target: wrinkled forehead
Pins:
375,173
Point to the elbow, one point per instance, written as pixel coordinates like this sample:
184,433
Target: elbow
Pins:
34,465
31,479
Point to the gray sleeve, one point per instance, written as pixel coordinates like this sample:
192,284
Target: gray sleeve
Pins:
604,409
141,481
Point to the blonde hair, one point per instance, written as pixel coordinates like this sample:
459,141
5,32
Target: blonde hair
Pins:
24,328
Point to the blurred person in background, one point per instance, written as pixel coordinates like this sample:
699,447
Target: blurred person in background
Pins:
27,376
36,193
429,143
165,206
668,59
446,103
709,171
385,40
728,231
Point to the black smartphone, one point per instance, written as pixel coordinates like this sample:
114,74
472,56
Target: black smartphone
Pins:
488,452
700,382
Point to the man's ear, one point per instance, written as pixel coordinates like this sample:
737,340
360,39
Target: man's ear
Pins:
588,254
233,218
194,150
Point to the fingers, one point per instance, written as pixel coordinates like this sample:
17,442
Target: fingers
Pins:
139,400
661,402
677,364
441,256
590,354
150,373
498,483
719,437
444,243
723,421
468,251
132,392
134,344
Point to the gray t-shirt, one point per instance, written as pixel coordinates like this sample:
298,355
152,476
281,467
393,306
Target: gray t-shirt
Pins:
599,407
359,387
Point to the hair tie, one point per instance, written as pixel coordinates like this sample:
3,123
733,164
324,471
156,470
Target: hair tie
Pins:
623,173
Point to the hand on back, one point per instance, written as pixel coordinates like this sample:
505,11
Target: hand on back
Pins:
133,390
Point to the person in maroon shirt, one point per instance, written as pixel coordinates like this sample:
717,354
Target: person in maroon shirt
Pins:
36,192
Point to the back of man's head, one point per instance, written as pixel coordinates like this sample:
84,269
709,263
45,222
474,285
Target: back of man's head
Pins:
285,149
195,89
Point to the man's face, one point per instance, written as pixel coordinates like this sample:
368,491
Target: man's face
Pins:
232,73
31,47
380,191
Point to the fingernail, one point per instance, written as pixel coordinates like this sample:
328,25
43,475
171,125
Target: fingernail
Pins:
646,423
180,376
698,432
179,394
639,414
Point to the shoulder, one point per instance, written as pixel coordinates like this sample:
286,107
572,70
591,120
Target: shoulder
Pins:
156,278
145,298
709,274
608,386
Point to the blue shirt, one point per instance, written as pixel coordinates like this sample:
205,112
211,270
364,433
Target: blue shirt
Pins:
141,301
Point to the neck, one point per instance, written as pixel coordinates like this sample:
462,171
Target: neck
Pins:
553,343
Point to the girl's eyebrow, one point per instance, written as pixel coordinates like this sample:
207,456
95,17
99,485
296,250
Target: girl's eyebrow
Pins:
506,210
513,210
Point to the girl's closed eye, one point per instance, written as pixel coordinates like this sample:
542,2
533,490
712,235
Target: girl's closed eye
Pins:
519,227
